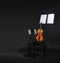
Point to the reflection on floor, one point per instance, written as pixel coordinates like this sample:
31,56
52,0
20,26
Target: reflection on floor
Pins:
52,56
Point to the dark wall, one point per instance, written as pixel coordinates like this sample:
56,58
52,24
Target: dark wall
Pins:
16,17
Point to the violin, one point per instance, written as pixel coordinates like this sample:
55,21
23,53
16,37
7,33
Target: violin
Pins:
39,36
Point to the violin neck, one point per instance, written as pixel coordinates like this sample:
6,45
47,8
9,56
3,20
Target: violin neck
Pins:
40,26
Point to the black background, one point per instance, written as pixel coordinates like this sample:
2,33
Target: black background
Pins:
16,17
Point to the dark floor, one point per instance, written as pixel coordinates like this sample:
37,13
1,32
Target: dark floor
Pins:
52,56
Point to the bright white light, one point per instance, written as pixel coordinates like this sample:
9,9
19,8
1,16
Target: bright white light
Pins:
50,19
35,31
29,32
43,19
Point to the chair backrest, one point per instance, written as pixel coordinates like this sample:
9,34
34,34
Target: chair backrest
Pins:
30,32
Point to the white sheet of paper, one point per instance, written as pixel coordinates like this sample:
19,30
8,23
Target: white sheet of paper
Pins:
43,19
50,19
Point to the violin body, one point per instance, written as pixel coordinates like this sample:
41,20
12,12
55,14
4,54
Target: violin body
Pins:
39,36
